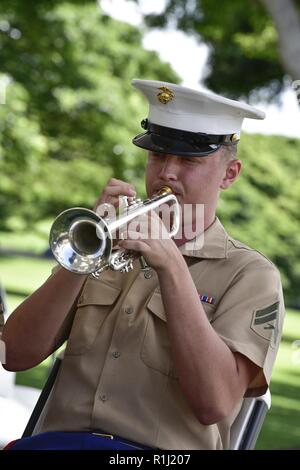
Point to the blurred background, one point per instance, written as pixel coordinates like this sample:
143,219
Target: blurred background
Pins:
68,114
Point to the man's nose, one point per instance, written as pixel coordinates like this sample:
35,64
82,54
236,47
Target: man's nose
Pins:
169,169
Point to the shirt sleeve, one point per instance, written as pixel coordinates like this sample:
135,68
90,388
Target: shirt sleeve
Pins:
64,331
249,318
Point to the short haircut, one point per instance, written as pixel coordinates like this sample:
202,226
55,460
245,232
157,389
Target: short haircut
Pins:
230,152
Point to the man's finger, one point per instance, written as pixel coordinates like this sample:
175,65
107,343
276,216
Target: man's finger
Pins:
134,245
115,182
133,235
121,188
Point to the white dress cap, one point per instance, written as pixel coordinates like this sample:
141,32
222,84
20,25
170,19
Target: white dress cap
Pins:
203,115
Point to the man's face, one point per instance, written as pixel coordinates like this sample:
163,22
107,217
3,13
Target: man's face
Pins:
194,180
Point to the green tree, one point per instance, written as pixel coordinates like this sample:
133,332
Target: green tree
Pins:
262,207
70,112
253,44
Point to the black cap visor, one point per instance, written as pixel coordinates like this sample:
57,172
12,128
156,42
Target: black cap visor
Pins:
163,144
163,139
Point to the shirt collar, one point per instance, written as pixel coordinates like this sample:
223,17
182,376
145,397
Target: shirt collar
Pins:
210,244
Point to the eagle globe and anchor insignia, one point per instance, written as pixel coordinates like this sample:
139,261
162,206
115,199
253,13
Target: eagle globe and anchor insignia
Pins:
165,94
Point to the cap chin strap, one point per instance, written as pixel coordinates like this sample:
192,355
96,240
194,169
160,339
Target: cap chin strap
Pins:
194,138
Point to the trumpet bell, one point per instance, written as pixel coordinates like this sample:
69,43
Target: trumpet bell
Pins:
81,241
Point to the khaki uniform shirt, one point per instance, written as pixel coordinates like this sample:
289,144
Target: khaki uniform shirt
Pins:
118,374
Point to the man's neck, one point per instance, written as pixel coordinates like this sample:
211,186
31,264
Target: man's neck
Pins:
208,221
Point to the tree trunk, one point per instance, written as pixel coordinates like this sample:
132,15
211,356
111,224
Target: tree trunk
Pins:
287,22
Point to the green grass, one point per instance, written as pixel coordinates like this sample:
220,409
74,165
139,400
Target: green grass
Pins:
33,241
281,429
24,274
37,376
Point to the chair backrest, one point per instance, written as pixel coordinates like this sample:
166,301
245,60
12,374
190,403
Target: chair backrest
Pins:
248,423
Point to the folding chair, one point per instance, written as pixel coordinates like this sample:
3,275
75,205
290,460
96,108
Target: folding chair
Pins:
37,417
247,425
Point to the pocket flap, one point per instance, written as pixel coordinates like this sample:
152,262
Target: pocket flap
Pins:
98,292
156,306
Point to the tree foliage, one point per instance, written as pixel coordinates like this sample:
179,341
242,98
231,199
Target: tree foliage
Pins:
70,115
262,207
70,111
242,40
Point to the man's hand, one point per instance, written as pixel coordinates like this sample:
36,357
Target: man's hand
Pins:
112,191
148,235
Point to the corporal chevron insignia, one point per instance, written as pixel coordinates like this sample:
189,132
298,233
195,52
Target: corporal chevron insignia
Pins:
265,322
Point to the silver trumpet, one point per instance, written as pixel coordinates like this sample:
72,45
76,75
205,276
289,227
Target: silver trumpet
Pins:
82,241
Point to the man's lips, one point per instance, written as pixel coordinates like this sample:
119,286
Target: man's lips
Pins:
175,190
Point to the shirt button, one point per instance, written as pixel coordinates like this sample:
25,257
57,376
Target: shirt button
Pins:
103,397
116,354
147,274
129,310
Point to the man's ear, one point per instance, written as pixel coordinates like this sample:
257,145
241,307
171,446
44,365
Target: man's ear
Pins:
233,169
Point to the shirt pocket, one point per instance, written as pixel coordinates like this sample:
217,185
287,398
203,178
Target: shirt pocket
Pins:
156,346
93,306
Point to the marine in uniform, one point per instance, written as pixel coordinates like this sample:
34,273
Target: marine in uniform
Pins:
154,355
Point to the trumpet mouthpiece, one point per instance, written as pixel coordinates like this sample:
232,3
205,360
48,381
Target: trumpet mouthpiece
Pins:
165,190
